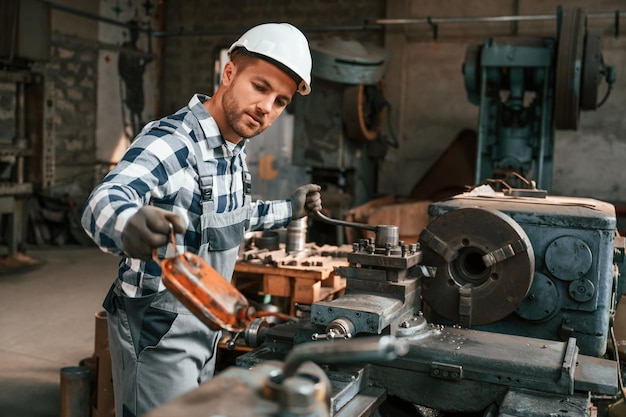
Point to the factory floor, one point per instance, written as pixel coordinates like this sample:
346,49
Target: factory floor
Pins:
48,301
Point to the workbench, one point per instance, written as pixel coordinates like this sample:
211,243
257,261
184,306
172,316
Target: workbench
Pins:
304,277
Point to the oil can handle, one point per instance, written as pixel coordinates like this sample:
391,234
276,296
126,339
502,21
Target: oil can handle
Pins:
155,256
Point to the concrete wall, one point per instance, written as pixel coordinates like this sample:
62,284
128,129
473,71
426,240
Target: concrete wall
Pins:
426,87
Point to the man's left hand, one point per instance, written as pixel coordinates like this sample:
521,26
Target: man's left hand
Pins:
304,200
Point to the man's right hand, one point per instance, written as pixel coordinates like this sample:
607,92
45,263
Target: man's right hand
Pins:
149,229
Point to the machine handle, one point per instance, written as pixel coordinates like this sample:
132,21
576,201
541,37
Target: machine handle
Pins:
317,214
363,349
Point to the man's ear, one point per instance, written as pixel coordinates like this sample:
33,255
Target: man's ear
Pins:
228,73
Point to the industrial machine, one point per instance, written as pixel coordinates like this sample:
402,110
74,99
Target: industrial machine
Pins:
560,280
27,135
527,88
504,306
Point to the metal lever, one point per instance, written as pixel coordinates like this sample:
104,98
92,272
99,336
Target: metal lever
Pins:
363,349
385,235
232,343
336,222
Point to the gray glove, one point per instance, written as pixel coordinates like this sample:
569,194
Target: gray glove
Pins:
305,199
147,230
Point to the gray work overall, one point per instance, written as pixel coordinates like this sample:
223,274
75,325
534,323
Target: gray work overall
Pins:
159,349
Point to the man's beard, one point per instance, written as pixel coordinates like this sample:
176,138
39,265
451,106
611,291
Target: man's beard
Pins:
234,116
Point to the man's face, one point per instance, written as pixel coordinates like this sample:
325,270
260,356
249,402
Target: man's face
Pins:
255,97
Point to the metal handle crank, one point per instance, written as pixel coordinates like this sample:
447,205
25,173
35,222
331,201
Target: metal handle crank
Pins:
318,214
385,234
362,349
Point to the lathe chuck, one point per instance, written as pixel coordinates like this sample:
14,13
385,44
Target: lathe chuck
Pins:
484,265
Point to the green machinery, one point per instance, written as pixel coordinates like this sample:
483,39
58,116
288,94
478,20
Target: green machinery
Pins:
548,80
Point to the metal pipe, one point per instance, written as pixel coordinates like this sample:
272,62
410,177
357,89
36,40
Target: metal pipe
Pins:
482,115
103,404
20,130
237,31
543,140
486,19
75,391
473,19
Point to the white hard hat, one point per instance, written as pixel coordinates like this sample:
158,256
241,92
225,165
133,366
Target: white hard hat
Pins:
284,45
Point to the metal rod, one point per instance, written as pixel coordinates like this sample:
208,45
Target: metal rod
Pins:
364,349
474,19
544,132
484,19
482,116
336,222
237,31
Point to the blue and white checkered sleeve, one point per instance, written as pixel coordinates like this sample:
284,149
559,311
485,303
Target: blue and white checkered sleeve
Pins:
151,169
268,215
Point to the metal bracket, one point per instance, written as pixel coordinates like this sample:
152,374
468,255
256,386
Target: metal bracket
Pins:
434,26
446,371
438,245
505,252
465,305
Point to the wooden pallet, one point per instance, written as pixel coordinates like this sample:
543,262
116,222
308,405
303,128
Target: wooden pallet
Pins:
305,277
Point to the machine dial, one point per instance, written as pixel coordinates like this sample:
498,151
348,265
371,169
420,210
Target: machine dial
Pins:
568,258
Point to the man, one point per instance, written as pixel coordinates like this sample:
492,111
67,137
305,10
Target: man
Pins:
188,171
